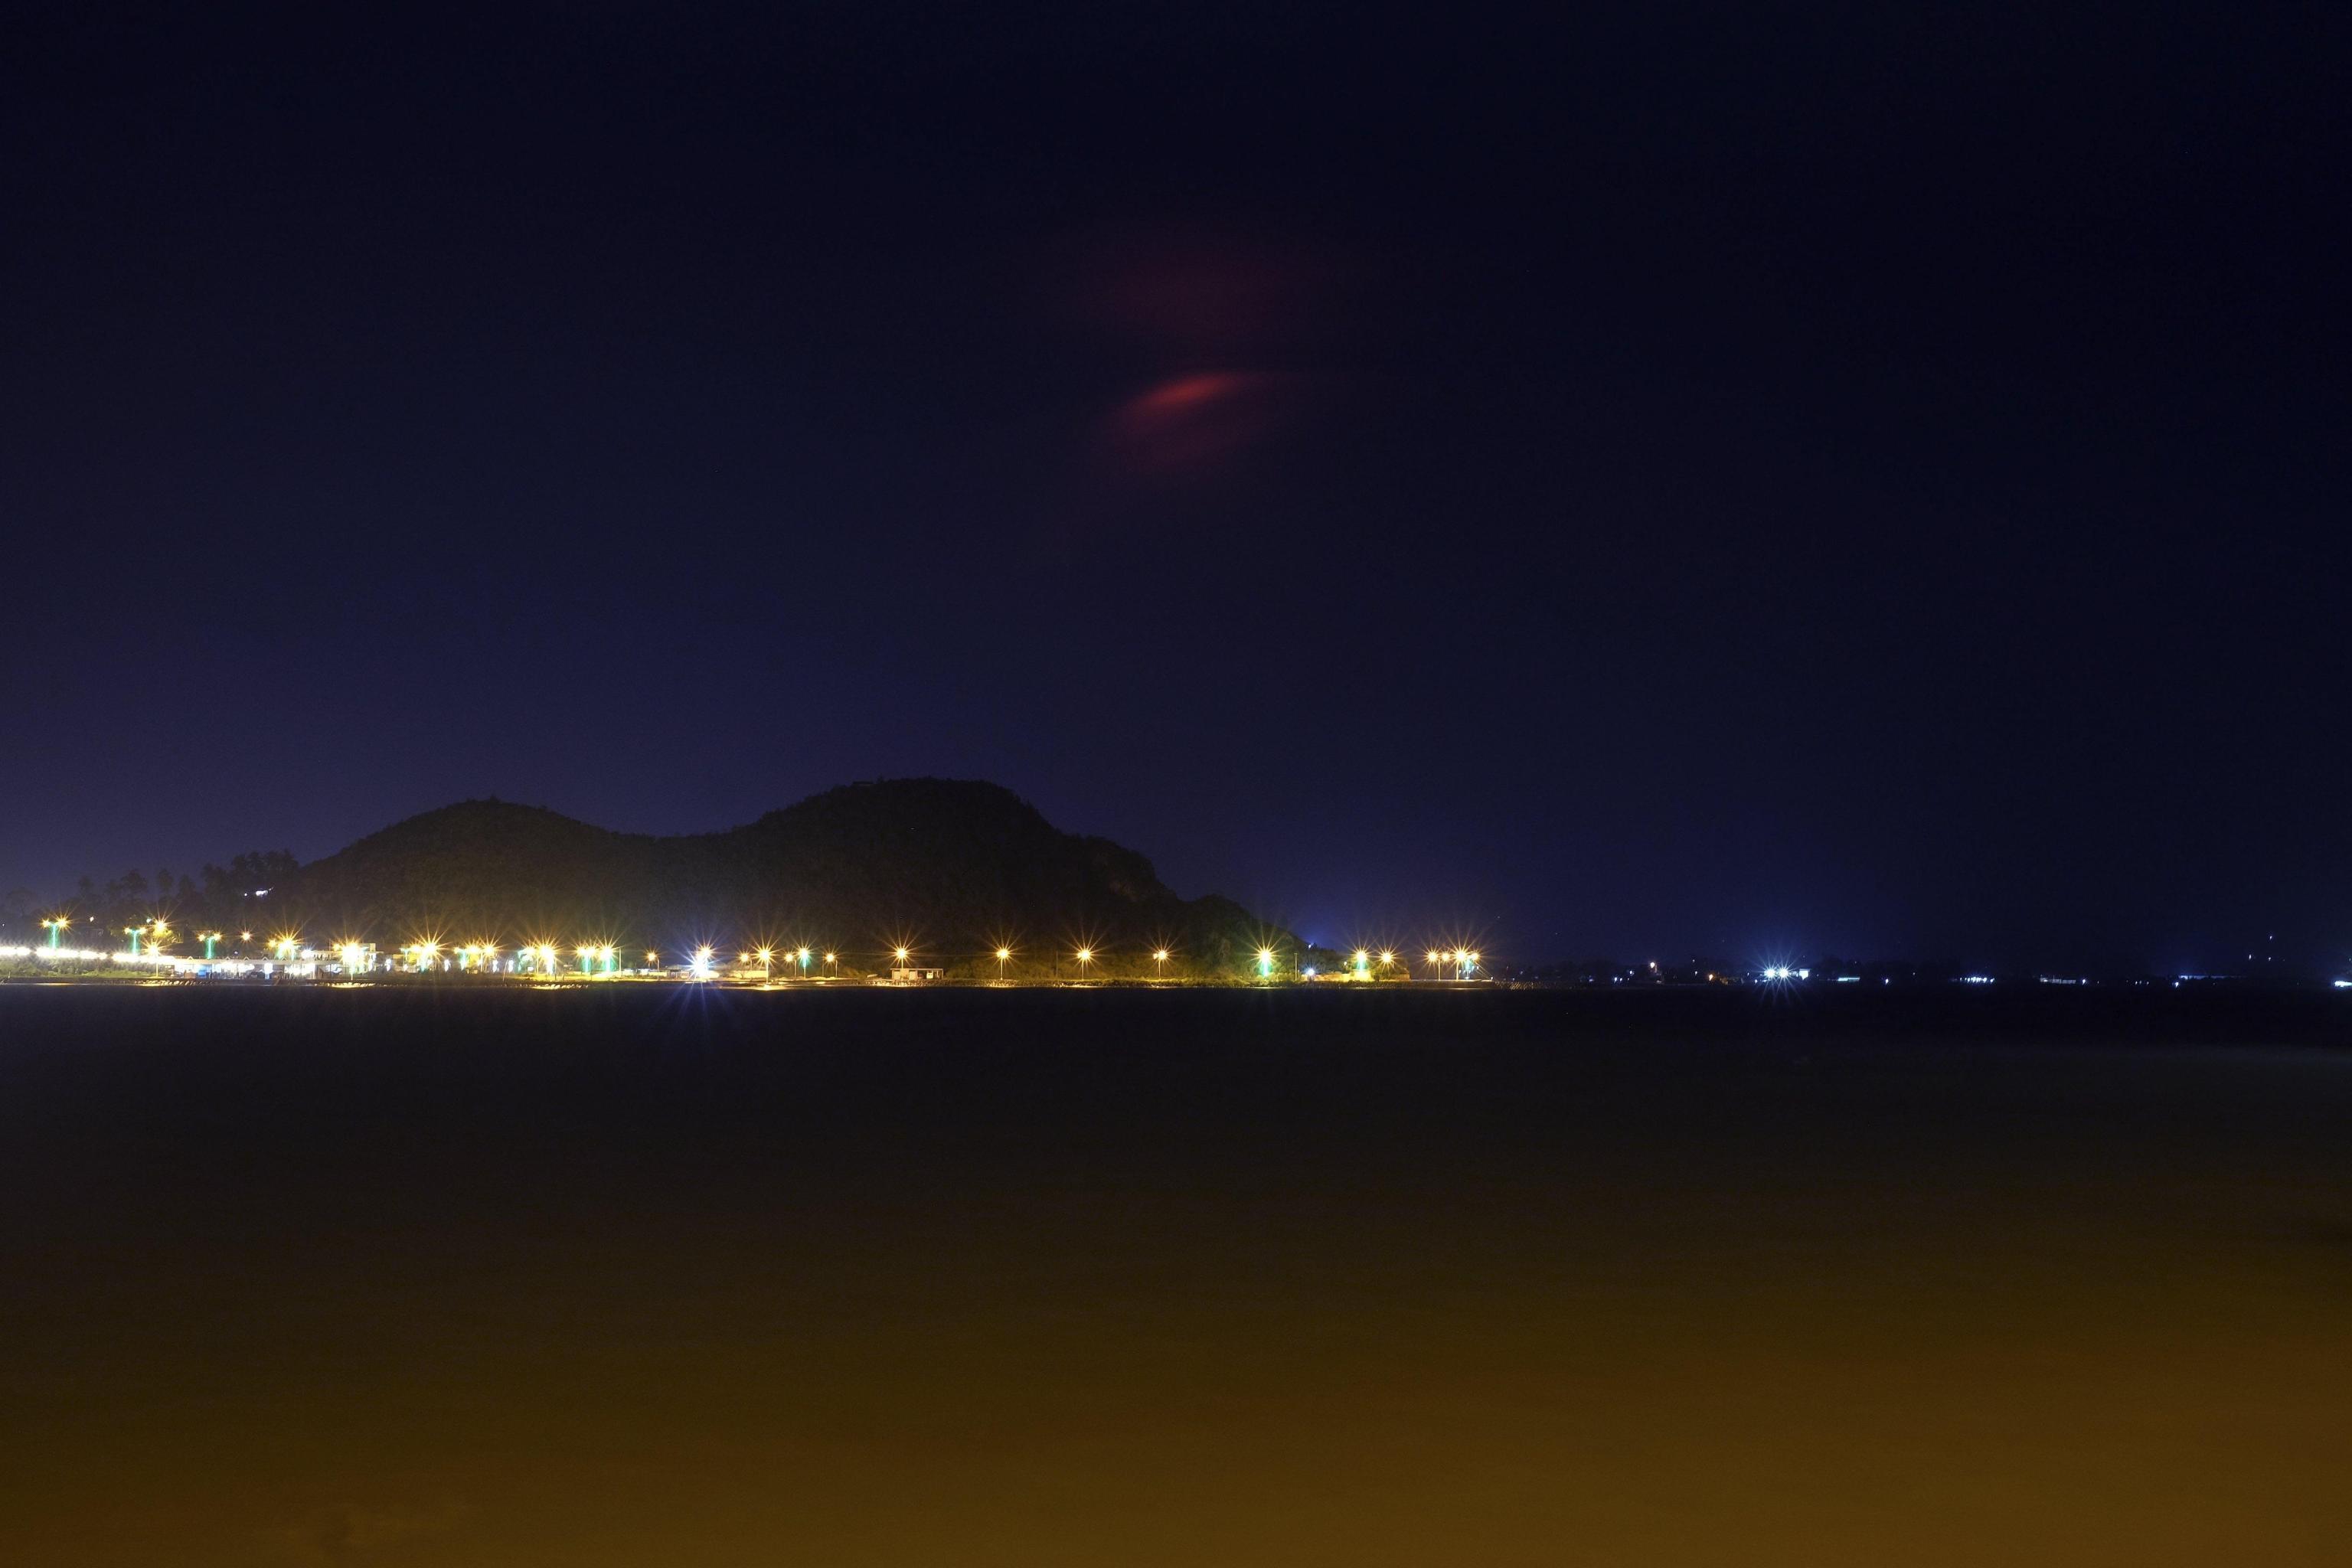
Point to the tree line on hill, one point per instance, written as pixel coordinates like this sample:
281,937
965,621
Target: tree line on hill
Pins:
950,870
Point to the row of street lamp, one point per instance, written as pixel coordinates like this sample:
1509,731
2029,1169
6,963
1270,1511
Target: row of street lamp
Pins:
545,958
154,933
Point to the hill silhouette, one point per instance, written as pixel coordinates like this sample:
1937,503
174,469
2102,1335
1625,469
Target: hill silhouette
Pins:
949,867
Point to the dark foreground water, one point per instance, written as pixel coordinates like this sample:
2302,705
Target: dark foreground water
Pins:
624,1278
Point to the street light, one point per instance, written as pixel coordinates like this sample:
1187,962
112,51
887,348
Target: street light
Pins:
1004,956
832,964
209,937
1160,963
55,924
1085,956
134,932
1265,963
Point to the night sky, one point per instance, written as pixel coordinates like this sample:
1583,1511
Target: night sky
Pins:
1870,479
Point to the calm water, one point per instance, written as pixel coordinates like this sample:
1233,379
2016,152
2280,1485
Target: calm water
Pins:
608,1277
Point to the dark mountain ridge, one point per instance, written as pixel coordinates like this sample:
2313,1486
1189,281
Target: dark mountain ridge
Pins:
950,867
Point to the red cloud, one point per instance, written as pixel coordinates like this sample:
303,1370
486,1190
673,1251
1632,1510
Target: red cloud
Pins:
1195,420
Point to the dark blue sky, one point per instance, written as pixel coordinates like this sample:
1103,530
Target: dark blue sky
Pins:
1868,479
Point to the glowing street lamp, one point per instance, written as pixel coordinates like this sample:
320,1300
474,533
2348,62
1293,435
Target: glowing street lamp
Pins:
1362,959
587,958
55,925
701,966
832,964
804,956
1388,961
1004,956
607,955
767,961
134,933
1085,956
209,938
354,956
1160,962
1265,963
159,934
